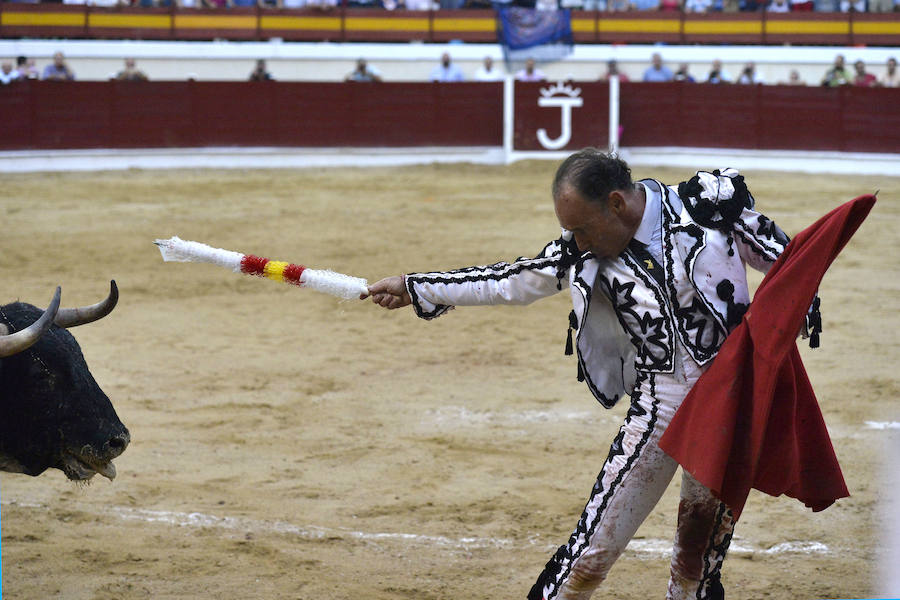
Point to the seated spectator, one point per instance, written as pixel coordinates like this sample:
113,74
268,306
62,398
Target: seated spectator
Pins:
7,73
793,79
417,4
546,5
728,6
752,5
837,75
882,6
25,67
717,74
657,71
218,3
698,6
487,71
530,72
260,73
749,76
612,68
852,5
446,71
669,5
363,72
131,72
825,5
801,5
779,6
863,79
682,74
890,78
58,70
644,4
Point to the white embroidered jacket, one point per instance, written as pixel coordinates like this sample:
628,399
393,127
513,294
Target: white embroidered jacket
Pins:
626,320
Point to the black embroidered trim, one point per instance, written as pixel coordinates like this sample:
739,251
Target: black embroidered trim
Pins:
710,583
495,272
751,239
720,213
568,553
635,324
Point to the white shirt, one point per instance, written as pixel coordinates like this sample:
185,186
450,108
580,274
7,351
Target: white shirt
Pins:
483,74
649,231
536,75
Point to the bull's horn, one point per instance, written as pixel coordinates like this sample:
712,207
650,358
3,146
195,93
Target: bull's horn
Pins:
13,343
72,317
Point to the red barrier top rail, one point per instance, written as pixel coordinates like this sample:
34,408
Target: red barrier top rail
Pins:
344,24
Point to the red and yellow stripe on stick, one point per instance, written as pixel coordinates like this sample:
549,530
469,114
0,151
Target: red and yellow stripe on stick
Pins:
275,270
329,282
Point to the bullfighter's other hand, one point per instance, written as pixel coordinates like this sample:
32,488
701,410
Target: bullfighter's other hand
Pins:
390,293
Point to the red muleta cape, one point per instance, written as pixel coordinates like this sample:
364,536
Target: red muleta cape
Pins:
752,420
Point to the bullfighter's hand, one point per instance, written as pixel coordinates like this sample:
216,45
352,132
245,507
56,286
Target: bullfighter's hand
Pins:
390,293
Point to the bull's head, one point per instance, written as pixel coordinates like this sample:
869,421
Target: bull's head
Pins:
52,412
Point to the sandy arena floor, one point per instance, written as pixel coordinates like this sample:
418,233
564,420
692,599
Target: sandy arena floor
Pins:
289,445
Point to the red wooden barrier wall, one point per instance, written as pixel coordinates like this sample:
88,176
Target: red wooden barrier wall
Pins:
159,114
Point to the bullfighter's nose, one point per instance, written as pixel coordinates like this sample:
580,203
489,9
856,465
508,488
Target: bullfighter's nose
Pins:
117,444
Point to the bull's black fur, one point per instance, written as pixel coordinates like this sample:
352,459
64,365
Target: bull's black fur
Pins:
50,405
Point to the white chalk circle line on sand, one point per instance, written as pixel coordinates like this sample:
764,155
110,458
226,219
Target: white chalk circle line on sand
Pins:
642,547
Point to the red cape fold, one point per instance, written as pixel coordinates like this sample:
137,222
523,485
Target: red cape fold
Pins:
752,420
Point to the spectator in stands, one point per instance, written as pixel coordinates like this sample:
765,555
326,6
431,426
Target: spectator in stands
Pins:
682,74
131,72
890,77
863,79
260,72
801,5
749,76
698,6
779,6
852,5
837,74
7,73
670,5
530,72
364,73
612,68
446,71
793,79
717,74
644,4
752,5
417,4
218,3
487,71
825,5
25,67
58,70
882,6
657,71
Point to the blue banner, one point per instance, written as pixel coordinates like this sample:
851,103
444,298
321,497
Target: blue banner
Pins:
543,35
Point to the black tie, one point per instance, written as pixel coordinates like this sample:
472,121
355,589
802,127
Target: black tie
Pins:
647,261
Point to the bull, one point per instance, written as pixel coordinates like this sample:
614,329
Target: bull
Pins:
52,412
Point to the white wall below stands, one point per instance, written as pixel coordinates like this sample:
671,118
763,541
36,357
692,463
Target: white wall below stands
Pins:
293,61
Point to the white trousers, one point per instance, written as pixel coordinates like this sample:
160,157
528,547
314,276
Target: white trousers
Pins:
633,478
